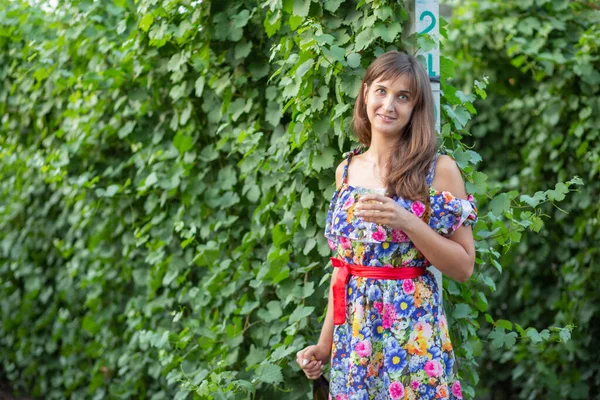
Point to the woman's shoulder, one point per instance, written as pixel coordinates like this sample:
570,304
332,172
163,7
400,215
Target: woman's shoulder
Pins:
447,176
339,172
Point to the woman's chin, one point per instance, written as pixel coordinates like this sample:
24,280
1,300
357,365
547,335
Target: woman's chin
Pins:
387,129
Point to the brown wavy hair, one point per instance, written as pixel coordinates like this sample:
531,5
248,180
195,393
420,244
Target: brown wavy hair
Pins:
408,163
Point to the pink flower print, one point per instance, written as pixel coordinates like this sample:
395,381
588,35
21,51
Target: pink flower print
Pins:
396,390
346,244
348,202
380,235
363,348
331,244
341,397
378,305
409,286
443,323
389,316
424,328
399,236
470,198
386,322
433,368
456,390
415,385
441,392
418,208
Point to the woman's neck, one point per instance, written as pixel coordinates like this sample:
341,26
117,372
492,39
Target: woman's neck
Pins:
379,151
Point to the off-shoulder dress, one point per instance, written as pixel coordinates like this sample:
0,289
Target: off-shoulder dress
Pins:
394,342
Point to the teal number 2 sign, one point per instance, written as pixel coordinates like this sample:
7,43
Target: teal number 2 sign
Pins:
428,29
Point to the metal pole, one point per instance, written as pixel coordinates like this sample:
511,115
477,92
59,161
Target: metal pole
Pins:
424,18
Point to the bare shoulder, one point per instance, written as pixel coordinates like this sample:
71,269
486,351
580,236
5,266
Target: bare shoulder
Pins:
339,173
448,177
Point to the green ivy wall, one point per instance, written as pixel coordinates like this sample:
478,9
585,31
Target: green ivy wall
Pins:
165,170
541,124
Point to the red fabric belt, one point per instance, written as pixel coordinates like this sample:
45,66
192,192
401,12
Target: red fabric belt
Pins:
343,276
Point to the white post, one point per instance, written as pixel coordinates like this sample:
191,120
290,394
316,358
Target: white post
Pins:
424,18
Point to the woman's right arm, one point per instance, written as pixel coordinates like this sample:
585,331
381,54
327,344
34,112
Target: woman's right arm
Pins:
322,350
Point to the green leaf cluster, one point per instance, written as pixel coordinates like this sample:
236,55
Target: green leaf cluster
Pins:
537,133
165,170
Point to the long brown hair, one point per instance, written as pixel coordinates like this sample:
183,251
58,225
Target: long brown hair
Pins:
408,164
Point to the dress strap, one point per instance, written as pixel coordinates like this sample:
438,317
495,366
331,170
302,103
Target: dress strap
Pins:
431,172
355,151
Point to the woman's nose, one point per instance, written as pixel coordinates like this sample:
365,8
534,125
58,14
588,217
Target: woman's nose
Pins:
388,103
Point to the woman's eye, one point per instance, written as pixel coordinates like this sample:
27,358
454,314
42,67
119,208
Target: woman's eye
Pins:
403,97
380,91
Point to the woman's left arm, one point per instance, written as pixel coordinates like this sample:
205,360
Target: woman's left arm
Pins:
453,256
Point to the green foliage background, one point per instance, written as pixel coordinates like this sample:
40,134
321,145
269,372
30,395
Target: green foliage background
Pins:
165,169
539,124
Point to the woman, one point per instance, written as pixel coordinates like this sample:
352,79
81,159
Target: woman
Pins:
385,327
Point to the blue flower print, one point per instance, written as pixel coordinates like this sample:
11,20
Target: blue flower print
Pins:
374,293
404,305
377,329
395,360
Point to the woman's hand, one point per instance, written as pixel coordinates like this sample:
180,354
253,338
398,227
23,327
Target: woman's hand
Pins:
383,210
311,360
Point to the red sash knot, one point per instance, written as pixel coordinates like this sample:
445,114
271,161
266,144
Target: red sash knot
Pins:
343,276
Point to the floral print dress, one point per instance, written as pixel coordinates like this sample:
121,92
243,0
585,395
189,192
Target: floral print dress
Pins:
394,342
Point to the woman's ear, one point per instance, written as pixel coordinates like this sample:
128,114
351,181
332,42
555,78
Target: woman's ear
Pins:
365,92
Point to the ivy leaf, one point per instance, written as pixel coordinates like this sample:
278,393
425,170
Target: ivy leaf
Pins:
537,198
282,351
337,53
301,8
332,5
279,235
111,190
248,307
387,33
323,160
447,67
461,311
353,60
479,184
177,91
199,86
182,143
459,115
306,199
533,334
309,245
499,204
272,22
559,192
272,312
241,19
299,313
501,339
269,373
242,49
146,22
363,39
504,324
126,129
564,334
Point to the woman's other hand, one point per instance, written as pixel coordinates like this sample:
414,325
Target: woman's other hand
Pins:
311,360
383,210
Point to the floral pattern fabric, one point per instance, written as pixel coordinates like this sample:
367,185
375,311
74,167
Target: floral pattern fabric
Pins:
395,342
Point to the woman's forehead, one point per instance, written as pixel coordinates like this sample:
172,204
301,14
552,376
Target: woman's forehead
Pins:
398,83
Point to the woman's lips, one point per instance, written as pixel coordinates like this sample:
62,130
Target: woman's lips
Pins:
386,118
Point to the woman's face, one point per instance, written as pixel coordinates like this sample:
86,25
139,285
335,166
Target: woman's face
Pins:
389,105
